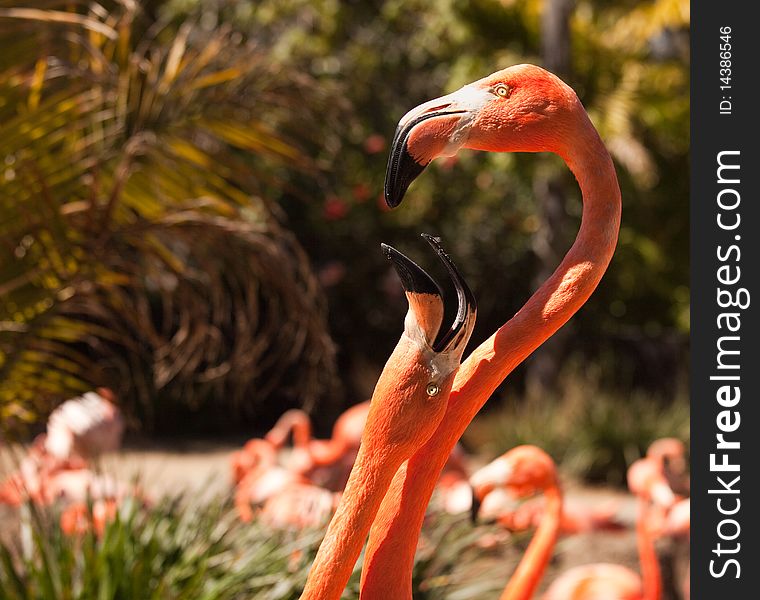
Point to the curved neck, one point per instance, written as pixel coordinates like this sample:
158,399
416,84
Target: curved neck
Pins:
294,421
528,574
326,452
650,565
393,541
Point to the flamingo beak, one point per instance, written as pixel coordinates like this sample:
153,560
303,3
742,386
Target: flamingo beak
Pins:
436,128
457,336
426,299
414,278
475,506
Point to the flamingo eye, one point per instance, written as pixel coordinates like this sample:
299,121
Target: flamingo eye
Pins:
502,90
432,389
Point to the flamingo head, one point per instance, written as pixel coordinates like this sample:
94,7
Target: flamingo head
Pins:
412,393
671,452
522,472
523,108
106,393
646,479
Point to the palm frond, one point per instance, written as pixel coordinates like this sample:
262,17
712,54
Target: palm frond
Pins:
141,251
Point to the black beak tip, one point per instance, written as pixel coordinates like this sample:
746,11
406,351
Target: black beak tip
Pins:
413,277
401,172
474,507
392,200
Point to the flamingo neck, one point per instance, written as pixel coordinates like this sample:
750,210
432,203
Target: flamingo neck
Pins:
650,566
295,422
528,574
393,540
342,544
327,452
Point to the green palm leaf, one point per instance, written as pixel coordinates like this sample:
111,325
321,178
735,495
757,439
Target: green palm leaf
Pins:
139,251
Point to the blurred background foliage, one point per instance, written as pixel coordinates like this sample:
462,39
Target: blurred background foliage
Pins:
191,206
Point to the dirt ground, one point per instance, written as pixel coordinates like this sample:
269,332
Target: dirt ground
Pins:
202,470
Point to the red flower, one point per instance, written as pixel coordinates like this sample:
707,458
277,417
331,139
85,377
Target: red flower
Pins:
361,192
335,208
374,143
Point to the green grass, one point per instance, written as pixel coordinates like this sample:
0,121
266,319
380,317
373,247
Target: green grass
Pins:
180,550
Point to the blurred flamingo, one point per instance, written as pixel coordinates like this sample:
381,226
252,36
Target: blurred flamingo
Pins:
576,517
527,469
520,109
57,464
299,505
261,483
646,479
408,403
325,462
79,518
671,454
255,454
85,427
615,582
259,476
524,471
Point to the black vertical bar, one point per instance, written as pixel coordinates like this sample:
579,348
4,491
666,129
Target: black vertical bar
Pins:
725,259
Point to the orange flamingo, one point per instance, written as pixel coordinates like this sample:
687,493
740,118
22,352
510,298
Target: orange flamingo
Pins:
576,518
57,463
261,484
671,454
255,454
524,471
615,582
520,109
527,469
79,518
646,479
300,505
408,403
325,462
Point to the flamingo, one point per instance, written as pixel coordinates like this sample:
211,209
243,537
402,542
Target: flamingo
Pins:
86,426
260,480
300,505
615,582
407,405
78,518
324,462
255,454
57,463
523,471
576,518
520,109
671,454
262,483
646,479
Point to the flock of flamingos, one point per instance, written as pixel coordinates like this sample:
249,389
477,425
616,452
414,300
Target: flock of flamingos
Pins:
374,478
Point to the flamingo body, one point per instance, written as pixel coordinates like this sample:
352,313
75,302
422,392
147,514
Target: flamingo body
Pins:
86,426
602,581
